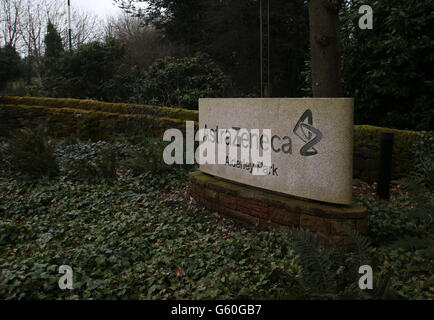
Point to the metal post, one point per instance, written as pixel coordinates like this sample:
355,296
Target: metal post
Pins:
268,92
261,48
386,149
69,25
264,17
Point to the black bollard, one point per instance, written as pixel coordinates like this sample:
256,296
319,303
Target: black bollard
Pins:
386,149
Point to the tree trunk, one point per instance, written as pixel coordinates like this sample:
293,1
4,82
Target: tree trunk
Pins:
325,48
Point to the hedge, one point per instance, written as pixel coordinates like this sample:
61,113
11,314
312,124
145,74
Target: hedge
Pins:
101,120
119,108
367,152
64,122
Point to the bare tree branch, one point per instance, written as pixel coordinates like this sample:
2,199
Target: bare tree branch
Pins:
10,16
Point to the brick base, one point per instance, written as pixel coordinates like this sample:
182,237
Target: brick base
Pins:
261,209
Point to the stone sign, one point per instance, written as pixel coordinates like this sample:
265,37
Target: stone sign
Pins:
310,140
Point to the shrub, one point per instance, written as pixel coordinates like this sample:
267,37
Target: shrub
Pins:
31,154
181,82
149,158
4,156
87,127
387,69
93,71
423,158
409,216
367,137
331,271
101,169
89,162
409,268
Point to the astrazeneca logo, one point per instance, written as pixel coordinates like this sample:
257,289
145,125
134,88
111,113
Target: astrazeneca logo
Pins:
308,134
239,146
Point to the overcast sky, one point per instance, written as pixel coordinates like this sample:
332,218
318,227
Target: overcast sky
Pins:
102,8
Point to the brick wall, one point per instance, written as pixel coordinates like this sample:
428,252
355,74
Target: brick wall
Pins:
261,209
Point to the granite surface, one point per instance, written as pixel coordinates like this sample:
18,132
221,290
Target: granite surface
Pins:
312,148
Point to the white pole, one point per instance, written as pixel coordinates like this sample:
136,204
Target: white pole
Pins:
261,45
69,25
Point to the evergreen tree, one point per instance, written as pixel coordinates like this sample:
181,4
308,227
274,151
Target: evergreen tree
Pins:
52,77
53,42
92,71
10,65
228,31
